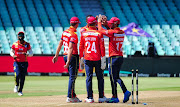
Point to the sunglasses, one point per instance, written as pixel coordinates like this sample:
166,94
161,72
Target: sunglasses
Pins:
21,34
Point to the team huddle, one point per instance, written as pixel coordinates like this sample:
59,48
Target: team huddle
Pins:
91,55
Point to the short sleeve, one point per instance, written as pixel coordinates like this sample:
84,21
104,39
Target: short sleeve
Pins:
28,46
82,30
13,47
73,39
62,37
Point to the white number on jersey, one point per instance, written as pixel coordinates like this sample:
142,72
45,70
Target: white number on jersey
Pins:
117,44
93,47
65,47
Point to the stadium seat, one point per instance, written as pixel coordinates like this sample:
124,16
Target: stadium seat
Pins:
44,21
18,29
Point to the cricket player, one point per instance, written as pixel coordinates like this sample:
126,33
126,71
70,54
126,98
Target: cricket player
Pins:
92,49
70,40
19,51
85,27
115,60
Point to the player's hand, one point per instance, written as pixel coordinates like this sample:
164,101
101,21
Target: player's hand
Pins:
25,54
99,18
55,59
103,63
96,17
67,65
82,63
14,56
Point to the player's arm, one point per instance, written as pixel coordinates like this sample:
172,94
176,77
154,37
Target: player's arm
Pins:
70,50
108,33
12,51
102,49
120,32
55,58
81,50
81,47
101,29
30,52
82,30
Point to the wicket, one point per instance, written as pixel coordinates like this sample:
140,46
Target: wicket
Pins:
133,86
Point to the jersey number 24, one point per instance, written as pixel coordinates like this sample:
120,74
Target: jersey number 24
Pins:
90,47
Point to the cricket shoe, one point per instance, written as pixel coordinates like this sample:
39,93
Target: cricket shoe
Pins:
77,99
113,100
104,99
73,100
89,100
20,93
16,89
127,94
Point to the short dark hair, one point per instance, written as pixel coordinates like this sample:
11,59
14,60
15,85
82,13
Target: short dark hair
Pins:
93,24
73,24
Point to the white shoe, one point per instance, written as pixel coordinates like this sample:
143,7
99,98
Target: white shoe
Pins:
20,93
89,100
73,100
104,99
68,100
77,99
16,89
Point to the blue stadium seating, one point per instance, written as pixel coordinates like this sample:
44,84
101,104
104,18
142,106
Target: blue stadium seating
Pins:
32,13
42,13
43,22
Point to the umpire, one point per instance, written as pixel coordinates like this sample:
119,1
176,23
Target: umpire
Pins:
19,53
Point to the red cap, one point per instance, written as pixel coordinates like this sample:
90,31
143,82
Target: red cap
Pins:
21,32
74,20
91,20
114,20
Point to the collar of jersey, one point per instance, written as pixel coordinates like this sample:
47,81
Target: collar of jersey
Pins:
117,28
92,28
72,28
22,43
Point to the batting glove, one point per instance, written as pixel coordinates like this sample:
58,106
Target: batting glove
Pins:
82,63
103,62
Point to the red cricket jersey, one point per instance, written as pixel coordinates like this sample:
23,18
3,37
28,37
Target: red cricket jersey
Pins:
83,29
70,35
116,38
92,45
20,49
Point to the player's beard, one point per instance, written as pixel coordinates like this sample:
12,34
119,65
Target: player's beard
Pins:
21,40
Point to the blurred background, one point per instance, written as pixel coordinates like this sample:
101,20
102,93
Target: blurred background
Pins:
43,22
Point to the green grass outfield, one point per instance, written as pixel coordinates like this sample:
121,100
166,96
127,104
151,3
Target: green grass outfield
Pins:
57,85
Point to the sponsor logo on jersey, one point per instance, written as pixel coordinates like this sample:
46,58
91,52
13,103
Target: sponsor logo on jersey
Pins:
20,53
21,49
65,38
90,33
67,34
73,39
